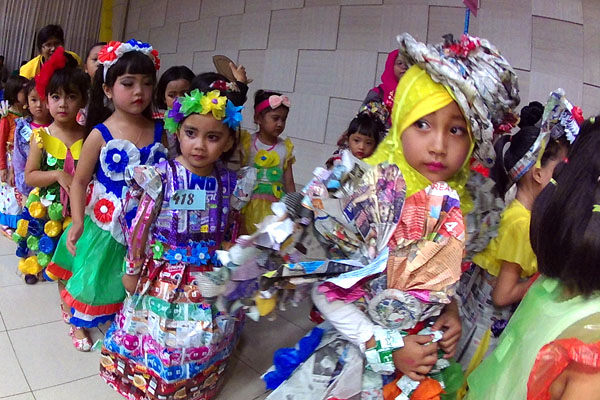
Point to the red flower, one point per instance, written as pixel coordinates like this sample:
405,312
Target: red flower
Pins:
577,115
154,54
108,53
103,210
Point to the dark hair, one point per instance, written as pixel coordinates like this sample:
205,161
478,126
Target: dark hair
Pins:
89,50
29,87
14,85
133,62
262,95
203,81
172,74
367,125
2,57
47,32
71,79
520,143
565,229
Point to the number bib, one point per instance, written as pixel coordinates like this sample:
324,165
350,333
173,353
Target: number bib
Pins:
185,199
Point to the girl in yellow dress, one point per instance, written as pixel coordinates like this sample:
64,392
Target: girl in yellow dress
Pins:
270,155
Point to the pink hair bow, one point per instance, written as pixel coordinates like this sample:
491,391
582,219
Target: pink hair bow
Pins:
274,101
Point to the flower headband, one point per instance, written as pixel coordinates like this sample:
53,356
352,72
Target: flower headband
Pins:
197,102
274,101
56,61
112,51
225,86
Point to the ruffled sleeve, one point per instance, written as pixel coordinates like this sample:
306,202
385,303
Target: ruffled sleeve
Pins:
290,158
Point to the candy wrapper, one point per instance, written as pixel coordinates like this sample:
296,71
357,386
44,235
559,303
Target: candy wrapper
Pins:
560,117
246,179
429,241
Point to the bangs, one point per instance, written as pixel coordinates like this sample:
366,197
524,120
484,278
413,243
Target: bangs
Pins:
132,62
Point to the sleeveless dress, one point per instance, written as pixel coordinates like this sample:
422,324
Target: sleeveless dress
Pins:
93,287
47,210
170,340
270,163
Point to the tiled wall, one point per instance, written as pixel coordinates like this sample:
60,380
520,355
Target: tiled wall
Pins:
326,54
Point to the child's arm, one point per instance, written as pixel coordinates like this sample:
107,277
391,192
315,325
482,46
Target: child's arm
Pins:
83,175
288,180
576,382
508,289
4,131
36,178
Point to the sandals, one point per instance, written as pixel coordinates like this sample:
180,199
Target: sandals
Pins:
80,344
65,316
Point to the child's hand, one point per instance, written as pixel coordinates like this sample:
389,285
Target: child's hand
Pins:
130,282
64,180
3,175
449,323
11,177
239,73
73,236
417,357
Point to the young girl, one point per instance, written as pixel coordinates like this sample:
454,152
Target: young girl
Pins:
551,346
89,257
14,93
39,118
498,281
171,340
91,60
363,135
53,153
434,131
271,155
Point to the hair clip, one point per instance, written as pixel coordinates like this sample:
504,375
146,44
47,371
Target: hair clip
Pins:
592,120
596,208
553,181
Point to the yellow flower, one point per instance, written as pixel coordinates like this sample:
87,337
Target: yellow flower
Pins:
277,190
266,159
215,103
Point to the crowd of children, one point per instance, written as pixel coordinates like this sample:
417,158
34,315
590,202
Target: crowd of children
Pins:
125,189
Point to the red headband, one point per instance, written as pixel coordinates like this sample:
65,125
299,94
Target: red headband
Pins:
274,101
57,61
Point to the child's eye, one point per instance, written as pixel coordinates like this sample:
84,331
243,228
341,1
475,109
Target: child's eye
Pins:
190,133
458,130
55,97
420,124
214,138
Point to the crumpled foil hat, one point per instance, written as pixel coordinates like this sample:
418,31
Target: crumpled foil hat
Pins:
480,79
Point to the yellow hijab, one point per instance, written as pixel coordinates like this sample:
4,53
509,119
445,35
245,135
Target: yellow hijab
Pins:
418,95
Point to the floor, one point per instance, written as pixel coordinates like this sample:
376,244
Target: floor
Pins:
39,362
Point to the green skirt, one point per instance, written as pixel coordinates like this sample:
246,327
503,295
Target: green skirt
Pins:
93,287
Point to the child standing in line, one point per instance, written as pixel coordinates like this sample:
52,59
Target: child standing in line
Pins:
498,279
89,256
14,93
271,155
91,60
39,118
53,154
171,340
551,346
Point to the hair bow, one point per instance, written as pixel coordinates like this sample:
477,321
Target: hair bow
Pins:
274,101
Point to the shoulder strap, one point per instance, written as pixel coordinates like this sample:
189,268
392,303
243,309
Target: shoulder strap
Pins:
158,131
105,132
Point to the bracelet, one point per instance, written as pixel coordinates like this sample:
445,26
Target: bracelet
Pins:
133,267
379,358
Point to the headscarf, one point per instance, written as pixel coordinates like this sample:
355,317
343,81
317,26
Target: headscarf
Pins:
388,77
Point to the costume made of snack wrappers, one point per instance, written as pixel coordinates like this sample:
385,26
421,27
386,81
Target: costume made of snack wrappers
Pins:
529,357
23,130
10,198
93,277
482,321
410,231
270,163
171,339
46,213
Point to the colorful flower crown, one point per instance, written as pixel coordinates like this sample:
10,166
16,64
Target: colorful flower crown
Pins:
112,51
197,102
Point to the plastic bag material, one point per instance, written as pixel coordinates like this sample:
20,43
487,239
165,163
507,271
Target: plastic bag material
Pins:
10,205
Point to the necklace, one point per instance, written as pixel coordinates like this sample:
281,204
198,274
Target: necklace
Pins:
136,140
256,148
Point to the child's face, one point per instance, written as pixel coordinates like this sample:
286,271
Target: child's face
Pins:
175,89
399,67
131,93
21,97
361,146
37,107
202,140
272,123
437,144
49,46
544,174
91,63
64,107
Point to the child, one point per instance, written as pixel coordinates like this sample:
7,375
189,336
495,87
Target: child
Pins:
551,346
91,60
14,93
365,132
271,155
89,257
434,131
498,280
171,340
53,153
39,118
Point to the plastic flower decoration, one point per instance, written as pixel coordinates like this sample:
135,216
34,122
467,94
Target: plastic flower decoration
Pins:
103,210
266,159
175,256
200,254
197,102
157,250
112,51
